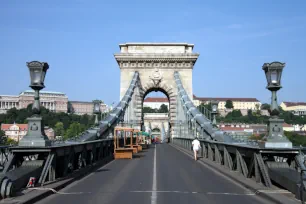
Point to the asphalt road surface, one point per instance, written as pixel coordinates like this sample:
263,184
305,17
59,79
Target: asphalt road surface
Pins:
160,175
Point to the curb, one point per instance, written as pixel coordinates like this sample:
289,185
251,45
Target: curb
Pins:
248,184
35,196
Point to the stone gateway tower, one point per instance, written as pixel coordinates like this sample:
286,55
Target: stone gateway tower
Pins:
156,64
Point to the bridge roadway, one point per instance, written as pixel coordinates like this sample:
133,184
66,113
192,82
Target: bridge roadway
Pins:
161,174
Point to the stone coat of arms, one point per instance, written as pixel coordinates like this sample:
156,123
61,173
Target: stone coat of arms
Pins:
156,77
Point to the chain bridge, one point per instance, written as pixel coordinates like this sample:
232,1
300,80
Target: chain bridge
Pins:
229,170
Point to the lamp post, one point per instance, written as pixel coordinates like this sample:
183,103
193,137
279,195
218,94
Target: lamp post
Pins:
192,126
121,119
214,108
276,138
36,135
96,110
180,128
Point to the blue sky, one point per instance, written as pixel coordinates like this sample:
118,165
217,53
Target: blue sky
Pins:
78,39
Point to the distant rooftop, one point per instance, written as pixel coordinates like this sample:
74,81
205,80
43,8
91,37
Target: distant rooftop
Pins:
6,127
290,104
9,96
156,100
43,92
225,99
85,102
155,44
156,48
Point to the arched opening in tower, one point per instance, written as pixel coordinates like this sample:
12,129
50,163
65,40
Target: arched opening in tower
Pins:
156,114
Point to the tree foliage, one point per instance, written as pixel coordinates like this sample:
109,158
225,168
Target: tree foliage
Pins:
202,106
74,130
296,139
229,104
254,117
2,137
59,129
2,133
60,122
265,106
257,137
162,109
10,141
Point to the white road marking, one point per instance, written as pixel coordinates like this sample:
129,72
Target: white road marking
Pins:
154,184
273,191
207,193
57,192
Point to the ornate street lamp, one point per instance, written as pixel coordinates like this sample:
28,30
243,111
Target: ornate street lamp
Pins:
276,138
273,72
96,110
36,135
214,108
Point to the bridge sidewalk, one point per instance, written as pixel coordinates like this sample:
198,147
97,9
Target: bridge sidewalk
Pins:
275,194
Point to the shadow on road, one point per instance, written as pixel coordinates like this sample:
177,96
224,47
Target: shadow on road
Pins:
138,155
101,170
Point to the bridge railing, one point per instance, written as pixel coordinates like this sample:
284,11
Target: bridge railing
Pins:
250,161
48,164
4,155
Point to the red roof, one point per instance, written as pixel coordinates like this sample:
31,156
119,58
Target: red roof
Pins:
5,127
288,104
287,125
150,99
232,128
225,99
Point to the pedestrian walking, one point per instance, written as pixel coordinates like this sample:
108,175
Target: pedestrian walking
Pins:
196,147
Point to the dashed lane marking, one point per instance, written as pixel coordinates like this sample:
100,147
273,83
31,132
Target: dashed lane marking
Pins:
194,192
154,183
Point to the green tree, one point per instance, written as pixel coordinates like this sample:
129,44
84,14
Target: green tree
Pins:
265,106
2,137
163,109
74,130
50,118
148,110
59,129
257,137
296,139
229,104
202,106
10,141
257,108
2,133
236,113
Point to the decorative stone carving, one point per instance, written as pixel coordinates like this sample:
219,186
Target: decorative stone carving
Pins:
35,63
34,127
156,77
